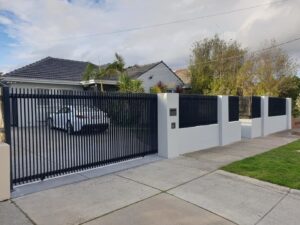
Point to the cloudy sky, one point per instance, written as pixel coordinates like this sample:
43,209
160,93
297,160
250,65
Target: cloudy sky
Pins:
142,31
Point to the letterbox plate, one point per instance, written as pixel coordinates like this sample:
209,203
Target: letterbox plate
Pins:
173,112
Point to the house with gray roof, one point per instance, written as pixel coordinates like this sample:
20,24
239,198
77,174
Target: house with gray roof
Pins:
55,73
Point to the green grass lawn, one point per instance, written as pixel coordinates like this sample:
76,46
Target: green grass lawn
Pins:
279,166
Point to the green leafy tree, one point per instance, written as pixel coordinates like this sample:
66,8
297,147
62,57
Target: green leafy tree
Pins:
93,72
128,85
160,87
137,86
291,89
270,72
297,106
220,67
124,83
212,68
245,81
89,72
273,71
118,65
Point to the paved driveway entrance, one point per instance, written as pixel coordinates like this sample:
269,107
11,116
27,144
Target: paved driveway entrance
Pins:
189,190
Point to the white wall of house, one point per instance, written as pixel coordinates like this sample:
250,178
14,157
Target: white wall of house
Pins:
46,86
25,116
159,73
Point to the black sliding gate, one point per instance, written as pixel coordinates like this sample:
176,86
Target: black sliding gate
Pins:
53,132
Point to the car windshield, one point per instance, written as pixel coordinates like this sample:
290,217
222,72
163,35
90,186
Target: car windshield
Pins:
86,108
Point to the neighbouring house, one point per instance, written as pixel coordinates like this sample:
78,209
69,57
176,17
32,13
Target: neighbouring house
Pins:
149,74
48,73
185,76
55,73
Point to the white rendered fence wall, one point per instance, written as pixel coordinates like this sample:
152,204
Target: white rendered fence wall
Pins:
4,172
167,142
257,127
196,138
251,128
229,131
273,124
173,141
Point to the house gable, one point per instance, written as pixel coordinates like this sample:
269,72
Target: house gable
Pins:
159,73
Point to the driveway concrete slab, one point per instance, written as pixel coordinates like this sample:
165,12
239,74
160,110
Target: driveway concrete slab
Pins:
287,212
11,215
162,209
46,184
120,166
235,199
54,182
77,203
162,175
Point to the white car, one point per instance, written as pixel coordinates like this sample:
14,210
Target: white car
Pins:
78,118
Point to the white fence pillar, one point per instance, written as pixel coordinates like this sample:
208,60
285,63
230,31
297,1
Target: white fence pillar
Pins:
289,113
168,123
222,117
4,172
264,115
229,131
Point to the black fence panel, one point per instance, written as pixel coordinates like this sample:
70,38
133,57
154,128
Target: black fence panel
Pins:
233,108
56,132
250,107
197,110
256,107
277,106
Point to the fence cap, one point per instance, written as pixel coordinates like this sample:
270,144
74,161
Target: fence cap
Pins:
4,146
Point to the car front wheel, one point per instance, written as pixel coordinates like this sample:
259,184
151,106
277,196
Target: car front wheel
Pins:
50,123
70,128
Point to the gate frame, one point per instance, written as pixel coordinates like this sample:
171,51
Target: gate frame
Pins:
7,126
8,95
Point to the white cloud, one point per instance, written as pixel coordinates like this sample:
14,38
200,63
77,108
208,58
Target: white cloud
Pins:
5,21
59,28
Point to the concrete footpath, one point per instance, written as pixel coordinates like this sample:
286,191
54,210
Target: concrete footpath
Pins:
188,190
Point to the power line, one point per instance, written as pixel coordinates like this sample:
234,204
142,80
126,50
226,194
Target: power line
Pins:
176,21
256,51
152,26
241,55
280,44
